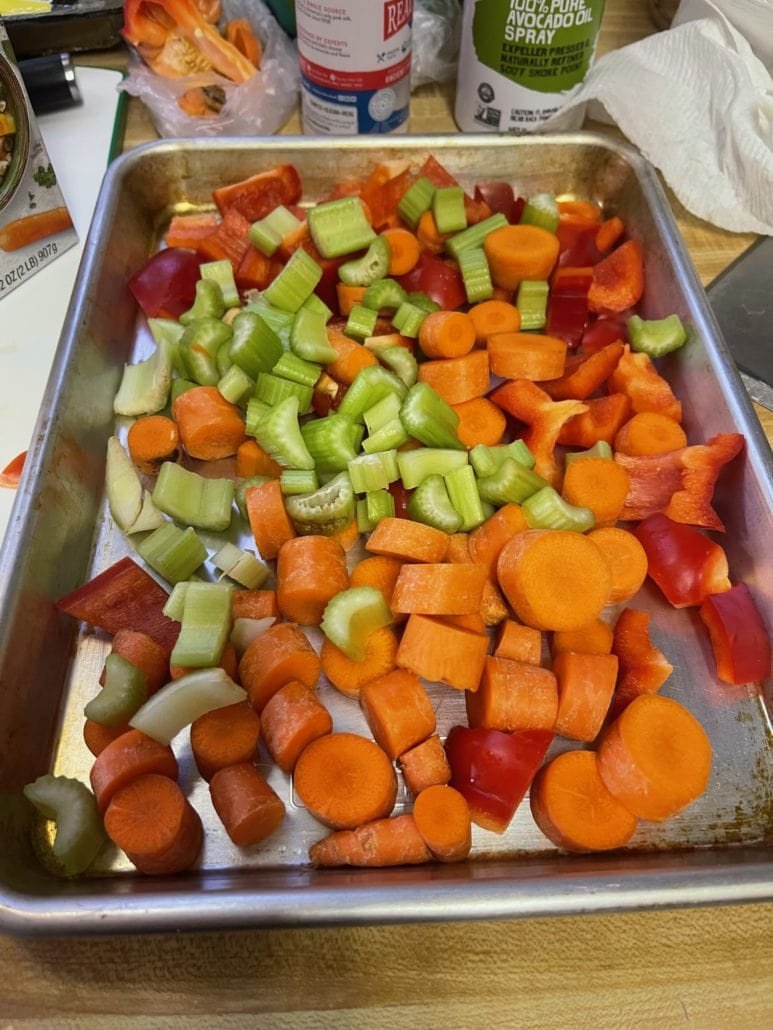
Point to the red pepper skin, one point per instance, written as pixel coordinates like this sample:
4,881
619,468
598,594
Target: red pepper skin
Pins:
165,286
11,474
684,563
493,770
605,331
739,639
499,196
438,279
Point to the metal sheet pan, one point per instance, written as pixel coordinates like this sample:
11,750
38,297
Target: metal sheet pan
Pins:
60,534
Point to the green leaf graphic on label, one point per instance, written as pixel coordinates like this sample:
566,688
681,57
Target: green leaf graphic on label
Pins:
544,45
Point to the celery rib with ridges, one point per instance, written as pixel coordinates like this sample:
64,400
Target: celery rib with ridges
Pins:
192,499
339,227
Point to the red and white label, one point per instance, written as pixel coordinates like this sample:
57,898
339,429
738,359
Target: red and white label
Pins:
397,14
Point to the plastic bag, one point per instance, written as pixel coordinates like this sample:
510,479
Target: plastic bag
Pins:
437,31
257,107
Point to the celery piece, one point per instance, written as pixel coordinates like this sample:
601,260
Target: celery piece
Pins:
388,437
473,265
240,494
254,346
175,605
422,300
546,509
379,504
144,388
181,386
370,267
408,318
448,209
130,505
208,303
267,233
185,700
463,492
365,524
279,434
384,295
416,200
351,616
278,321
486,460
541,209
80,833
308,336
241,566
370,385
400,361
199,346
417,464
383,411
295,282
223,360
532,303
429,503
167,333
370,472
222,273
361,322
329,441
327,511
149,517
298,481
315,303
429,419
510,484
205,625
656,337
236,386
193,499
273,390
296,369
600,449
172,552
474,235
339,227
256,410
124,690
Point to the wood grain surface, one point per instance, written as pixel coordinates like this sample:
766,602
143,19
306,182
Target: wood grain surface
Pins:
697,968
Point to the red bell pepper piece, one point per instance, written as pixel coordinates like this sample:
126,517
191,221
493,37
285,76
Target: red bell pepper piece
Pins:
584,374
602,420
11,475
739,639
685,564
567,313
440,280
255,270
229,240
493,770
604,331
499,197
255,197
165,286
383,191
637,377
642,667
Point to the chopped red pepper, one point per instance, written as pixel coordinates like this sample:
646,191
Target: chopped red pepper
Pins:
255,270
11,475
440,280
602,420
683,562
603,331
637,377
384,190
642,667
567,313
257,196
165,286
739,639
499,197
584,373
229,240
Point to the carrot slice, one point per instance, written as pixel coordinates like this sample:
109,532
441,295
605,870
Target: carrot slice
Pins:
439,589
225,736
380,843
424,765
457,379
494,316
650,432
153,440
519,643
513,696
618,279
96,737
517,252
627,560
531,356
443,819
310,570
249,809
254,604
347,297
601,421
596,483
350,676
486,542
352,357
595,638
398,711
480,421
380,571
292,718
131,755
407,540
281,654
438,651
586,683
210,426
447,334
404,250
269,521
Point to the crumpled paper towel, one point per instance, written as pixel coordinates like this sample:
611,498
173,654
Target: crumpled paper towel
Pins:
698,103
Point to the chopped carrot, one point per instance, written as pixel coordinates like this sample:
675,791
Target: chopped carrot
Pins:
643,667
292,718
144,654
428,236
269,521
281,654
610,231
443,653
247,806
398,711
380,843
513,696
238,33
187,230
348,296
492,605
350,676
447,334
254,604
574,809
480,421
252,460
310,570
494,316
584,374
152,440
407,541
131,755
380,571
586,683
601,421
517,252
457,379
519,643
424,765
618,279
636,376
153,822
655,758
96,737
439,589
352,357
526,356
474,622
595,638
20,232
650,432
627,560
210,426
443,819
488,539
404,250
345,780
225,736
599,484
554,579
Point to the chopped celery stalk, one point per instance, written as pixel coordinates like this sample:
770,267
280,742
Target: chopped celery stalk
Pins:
298,481
510,484
273,390
383,411
379,504
241,566
123,486
308,336
297,280
267,233
656,337
167,333
279,321
532,303
541,209
384,295
430,504
205,625
175,605
192,499
254,346
416,200
185,700
125,689
388,437
222,273
473,265
329,441
408,318
370,472
315,303
256,410
246,630
144,388
181,386
172,552
428,418
361,322
327,511
339,227
546,509
351,616
198,349
365,524
149,517
236,386
223,359
241,491
474,235
365,270
463,492
298,370
400,361
208,303
422,300
486,460
421,462
80,833
370,385
448,209
601,449
279,434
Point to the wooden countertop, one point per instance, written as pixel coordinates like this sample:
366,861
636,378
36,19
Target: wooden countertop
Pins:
702,967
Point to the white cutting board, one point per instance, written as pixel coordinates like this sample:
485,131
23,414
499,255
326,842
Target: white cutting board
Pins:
78,141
